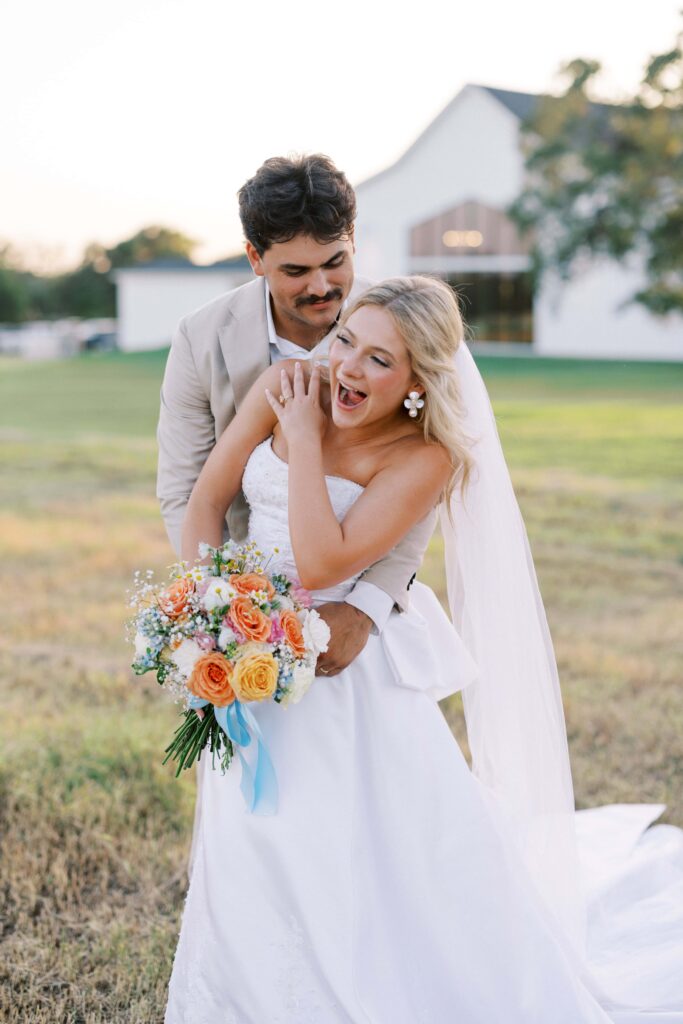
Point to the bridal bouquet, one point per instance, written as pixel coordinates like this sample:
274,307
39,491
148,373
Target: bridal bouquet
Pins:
221,637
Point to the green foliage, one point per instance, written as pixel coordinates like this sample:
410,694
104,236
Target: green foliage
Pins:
85,292
152,243
604,180
13,298
89,290
24,295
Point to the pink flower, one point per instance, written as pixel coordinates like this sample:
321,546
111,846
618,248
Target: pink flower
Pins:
204,641
276,633
204,585
239,635
300,595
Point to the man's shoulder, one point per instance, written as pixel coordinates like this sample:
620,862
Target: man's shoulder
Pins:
247,299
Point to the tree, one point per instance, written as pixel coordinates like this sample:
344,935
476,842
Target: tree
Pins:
602,179
89,290
13,299
152,243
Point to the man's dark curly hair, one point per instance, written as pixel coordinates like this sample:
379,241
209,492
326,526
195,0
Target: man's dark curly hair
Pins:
296,195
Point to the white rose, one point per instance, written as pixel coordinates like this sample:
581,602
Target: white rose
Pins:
316,631
186,655
225,637
218,593
286,603
302,677
142,642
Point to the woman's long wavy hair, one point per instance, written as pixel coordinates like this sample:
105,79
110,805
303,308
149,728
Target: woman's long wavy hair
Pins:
427,316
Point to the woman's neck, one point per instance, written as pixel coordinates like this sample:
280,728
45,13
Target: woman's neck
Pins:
378,433
373,435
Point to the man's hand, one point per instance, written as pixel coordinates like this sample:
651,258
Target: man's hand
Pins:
350,629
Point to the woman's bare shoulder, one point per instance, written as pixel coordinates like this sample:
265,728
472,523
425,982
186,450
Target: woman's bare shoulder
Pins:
414,453
270,377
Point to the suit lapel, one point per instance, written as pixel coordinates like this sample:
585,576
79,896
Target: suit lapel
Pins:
244,339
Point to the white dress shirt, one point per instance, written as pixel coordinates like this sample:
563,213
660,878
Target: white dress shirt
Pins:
365,596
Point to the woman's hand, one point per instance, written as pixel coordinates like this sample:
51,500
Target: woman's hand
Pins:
299,412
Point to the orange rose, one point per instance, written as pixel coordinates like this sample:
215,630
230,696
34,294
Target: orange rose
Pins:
255,676
173,600
250,581
294,636
211,679
249,619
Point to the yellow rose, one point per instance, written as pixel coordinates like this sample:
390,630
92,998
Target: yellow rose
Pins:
255,676
253,647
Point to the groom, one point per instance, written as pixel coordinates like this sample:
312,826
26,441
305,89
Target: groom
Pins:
298,217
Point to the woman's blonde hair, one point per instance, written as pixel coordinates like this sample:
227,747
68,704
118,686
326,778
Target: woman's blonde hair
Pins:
427,316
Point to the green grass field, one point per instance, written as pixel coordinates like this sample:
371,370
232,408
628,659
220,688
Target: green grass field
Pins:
94,832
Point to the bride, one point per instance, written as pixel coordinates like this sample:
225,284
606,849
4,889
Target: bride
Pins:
394,885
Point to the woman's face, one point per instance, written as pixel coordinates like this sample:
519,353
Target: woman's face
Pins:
370,371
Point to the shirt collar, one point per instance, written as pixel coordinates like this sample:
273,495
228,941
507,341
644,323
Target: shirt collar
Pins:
286,347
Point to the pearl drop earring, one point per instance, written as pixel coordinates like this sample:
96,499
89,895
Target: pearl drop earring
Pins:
413,402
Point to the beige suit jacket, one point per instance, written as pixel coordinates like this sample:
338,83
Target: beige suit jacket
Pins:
217,353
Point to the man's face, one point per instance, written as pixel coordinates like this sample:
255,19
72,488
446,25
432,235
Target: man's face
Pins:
308,283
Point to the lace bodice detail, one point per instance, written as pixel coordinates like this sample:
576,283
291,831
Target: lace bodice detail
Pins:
265,485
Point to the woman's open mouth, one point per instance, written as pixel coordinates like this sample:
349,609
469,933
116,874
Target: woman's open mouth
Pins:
348,397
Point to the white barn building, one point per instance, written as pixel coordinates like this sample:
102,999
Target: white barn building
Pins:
152,297
440,209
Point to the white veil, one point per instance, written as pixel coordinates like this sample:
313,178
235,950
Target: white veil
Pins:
514,714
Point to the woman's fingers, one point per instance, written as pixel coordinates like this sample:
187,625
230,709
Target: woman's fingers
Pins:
274,404
299,384
285,384
314,383
295,389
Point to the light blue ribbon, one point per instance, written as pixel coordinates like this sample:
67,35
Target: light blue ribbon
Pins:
259,783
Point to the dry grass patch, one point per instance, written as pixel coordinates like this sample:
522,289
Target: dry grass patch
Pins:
95,833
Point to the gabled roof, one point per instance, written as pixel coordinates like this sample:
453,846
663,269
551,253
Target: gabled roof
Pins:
239,262
521,104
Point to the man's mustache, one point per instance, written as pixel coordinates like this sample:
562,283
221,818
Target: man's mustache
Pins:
311,300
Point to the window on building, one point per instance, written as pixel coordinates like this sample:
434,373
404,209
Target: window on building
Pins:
496,307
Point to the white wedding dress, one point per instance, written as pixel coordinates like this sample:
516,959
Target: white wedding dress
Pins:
385,890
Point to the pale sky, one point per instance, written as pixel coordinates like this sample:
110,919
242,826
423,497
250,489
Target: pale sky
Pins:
114,116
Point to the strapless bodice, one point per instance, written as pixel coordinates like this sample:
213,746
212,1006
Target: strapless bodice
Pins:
265,484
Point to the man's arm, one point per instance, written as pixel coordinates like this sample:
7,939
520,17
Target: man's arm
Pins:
185,434
393,574
368,607
375,604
